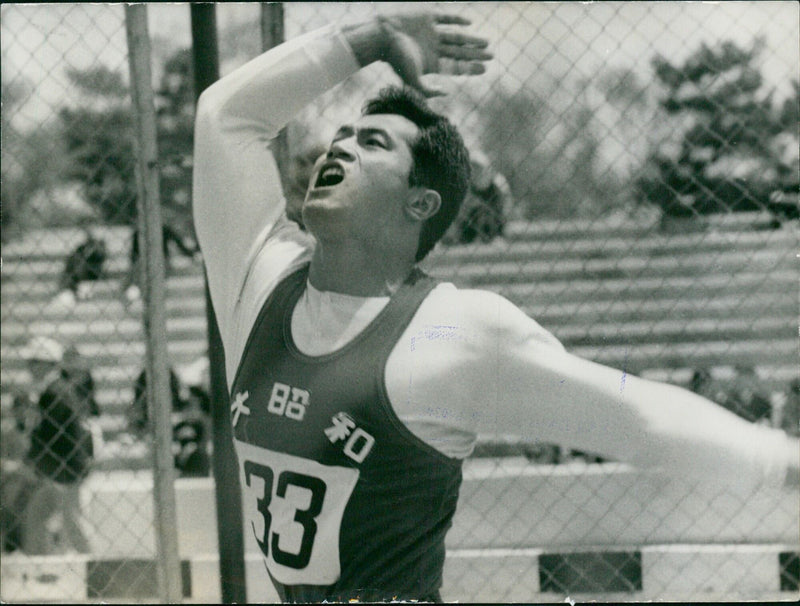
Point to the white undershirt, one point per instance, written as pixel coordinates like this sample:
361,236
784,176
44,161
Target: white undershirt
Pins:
324,322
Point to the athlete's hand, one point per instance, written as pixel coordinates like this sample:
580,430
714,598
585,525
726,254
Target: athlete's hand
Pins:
415,44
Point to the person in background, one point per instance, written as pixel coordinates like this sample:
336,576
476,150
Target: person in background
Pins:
75,369
138,414
16,429
191,431
17,480
790,416
82,266
485,210
745,398
190,415
60,452
131,288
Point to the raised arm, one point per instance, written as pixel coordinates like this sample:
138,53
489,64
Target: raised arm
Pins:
238,200
237,190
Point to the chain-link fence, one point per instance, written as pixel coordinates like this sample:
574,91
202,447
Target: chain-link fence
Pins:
78,439
635,183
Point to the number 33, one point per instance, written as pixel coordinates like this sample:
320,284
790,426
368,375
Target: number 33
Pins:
305,517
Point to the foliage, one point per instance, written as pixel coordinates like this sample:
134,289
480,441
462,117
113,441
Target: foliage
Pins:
100,147
175,130
723,151
99,141
548,151
30,162
14,188
98,81
99,138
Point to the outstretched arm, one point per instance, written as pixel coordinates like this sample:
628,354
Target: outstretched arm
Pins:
593,407
508,376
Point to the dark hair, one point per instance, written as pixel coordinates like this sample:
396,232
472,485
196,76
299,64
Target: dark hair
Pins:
441,160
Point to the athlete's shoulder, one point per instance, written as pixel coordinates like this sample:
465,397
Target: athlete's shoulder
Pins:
481,313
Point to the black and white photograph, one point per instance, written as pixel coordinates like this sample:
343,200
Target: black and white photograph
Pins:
441,302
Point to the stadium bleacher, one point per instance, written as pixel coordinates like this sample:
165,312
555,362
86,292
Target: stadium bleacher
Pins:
655,303
659,304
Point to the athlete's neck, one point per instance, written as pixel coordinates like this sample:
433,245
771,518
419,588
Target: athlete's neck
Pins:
358,273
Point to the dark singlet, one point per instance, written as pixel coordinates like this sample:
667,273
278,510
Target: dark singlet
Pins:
342,499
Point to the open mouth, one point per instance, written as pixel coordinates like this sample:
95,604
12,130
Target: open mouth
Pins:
329,175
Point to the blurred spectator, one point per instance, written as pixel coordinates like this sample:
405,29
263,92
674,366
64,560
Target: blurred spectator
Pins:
83,265
60,452
745,399
131,287
17,481
190,419
703,383
195,373
75,369
485,210
790,417
742,397
138,415
189,448
16,430
190,435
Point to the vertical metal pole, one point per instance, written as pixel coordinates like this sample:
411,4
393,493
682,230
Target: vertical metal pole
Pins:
272,34
154,316
226,468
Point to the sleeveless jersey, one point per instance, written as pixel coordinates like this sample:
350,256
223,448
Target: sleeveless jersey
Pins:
342,499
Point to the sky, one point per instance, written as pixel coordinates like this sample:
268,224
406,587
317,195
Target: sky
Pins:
532,41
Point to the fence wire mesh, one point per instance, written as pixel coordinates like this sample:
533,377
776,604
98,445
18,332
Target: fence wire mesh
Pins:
77,444
635,183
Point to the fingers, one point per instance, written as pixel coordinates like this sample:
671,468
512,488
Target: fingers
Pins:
463,46
462,40
461,54
457,67
465,53
412,79
450,19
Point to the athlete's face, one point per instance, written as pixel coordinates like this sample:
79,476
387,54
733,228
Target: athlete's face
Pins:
361,184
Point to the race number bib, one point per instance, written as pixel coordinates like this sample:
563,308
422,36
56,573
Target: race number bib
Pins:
293,508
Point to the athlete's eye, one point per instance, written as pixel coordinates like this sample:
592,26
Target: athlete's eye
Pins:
375,142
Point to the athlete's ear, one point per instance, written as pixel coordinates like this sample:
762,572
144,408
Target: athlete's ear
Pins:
423,204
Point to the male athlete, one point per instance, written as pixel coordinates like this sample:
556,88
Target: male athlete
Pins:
358,385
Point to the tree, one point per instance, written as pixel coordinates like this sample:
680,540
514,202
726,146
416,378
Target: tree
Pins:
175,126
31,160
99,141
721,155
15,187
548,148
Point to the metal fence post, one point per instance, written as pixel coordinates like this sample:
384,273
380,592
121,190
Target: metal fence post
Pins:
226,470
272,34
154,315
